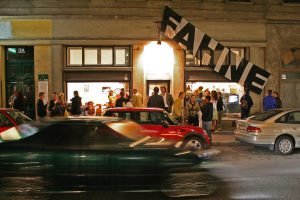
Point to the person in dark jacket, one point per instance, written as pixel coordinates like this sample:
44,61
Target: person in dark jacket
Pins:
19,102
278,100
41,107
246,104
269,102
76,104
207,114
156,100
121,101
220,109
52,103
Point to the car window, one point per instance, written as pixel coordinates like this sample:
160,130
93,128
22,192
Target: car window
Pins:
150,117
123,115
59,135
282,119
265,115
294,118
101,137
18,117
4,121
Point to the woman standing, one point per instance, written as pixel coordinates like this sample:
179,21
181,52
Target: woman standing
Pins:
60,108
220,109
214,101
278,100
111,99
192,111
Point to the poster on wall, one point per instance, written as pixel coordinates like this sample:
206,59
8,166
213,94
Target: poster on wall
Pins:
192,39
43,85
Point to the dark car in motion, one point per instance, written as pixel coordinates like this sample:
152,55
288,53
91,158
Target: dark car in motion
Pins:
79,154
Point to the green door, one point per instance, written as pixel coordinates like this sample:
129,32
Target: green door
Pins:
20,77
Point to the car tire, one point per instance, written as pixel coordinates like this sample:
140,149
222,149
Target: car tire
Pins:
193,144
284,145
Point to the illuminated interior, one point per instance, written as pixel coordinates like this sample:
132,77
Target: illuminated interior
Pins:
158,59
95,91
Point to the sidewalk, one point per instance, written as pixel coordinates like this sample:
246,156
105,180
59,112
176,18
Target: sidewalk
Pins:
226,136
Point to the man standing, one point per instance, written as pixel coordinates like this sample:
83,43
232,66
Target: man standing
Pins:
52,103
246,104
137,99
76,104
168,99
269,102
155,100
207,114
41,107
177,112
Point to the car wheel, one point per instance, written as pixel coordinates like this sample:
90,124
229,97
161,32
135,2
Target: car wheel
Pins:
284,145
193,144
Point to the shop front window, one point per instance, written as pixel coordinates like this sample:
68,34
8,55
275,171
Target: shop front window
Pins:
98,56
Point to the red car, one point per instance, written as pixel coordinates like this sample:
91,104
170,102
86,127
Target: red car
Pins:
159,123
9,120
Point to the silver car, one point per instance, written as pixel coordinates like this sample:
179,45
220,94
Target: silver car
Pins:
277,129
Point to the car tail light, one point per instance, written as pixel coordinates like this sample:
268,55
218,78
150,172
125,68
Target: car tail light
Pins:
253,129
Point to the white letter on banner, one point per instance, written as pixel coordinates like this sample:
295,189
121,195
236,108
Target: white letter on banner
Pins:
197,41
221,59
245,73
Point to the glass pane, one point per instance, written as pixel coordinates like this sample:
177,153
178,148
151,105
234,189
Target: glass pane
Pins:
75,56
106,57
90,56
122,56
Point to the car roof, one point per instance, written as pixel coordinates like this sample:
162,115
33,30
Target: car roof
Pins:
135,109
7,109
82,119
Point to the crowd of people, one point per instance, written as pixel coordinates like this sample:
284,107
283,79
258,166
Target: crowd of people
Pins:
57,107
203,108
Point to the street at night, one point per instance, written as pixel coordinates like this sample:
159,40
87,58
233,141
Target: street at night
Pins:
240,171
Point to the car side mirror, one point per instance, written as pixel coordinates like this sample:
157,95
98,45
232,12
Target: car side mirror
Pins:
165,124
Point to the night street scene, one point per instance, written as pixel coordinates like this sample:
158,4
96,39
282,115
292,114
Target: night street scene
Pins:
150,99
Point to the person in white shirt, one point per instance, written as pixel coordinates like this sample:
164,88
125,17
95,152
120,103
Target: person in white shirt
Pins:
168,99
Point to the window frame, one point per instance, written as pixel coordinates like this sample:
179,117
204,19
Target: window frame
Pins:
212,63
113,47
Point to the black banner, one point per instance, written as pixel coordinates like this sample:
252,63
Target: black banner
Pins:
192,39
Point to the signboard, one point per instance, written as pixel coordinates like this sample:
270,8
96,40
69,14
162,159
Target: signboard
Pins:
192,39
43,85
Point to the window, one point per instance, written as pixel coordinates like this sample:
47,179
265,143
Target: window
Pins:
209,58
150,118
294,118
291,1
265,115
98,56
4,121
74,56
123,115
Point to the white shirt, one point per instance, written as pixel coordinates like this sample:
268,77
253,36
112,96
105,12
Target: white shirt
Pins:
165,100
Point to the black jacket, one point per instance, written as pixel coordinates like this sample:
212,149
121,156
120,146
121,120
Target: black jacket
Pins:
156,101
220,105
19,104
207,112
41,108
76,105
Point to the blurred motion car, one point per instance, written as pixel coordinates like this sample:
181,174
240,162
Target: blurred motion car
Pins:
159,123
9,120
277,129
83,154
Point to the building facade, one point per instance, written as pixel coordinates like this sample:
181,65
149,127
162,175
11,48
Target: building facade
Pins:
95,46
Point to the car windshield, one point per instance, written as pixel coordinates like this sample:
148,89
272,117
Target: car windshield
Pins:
18,117
265,115
173,121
